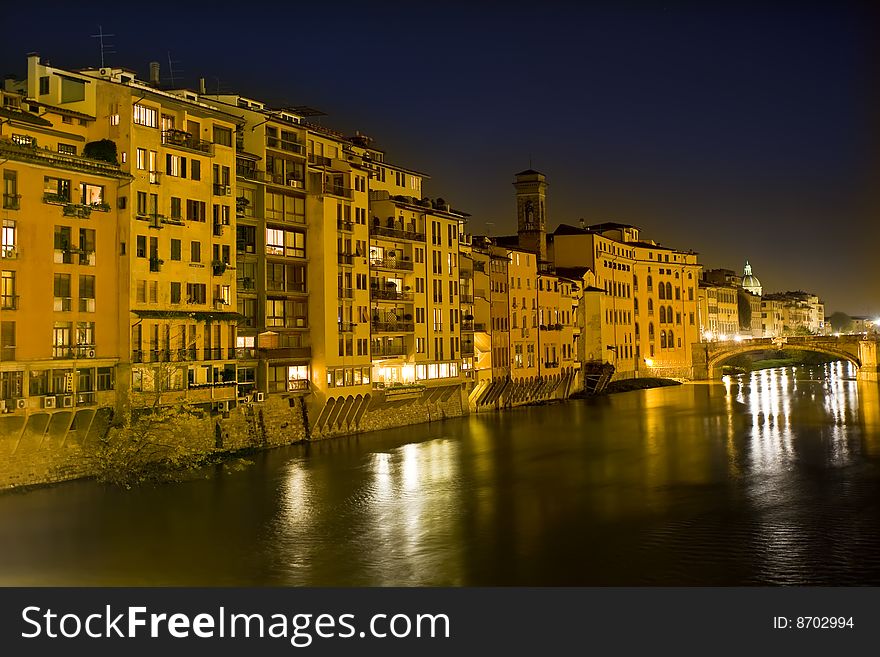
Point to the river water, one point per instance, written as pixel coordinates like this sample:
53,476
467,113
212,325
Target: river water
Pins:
769,478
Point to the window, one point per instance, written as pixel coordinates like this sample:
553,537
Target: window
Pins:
86,293
92,194
56,190
105,378
175,292
147,116
63,245
7,239
10,190
175,208
7,341
61,335
141,248
8,298
44,85
195,251
62,292
142,203
175,249
195,169
222,136
195,210
85,334
67,149
196,293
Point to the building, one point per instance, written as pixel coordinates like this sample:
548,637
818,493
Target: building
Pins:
750,282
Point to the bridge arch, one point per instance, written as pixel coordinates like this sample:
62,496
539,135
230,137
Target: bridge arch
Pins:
714,354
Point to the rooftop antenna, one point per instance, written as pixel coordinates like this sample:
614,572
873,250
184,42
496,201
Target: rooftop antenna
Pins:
530,160
171,63
106,49
489,225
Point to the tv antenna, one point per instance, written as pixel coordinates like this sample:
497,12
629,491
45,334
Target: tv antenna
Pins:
106,49
489,225
171,63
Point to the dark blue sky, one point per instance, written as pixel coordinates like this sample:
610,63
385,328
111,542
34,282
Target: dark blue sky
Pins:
739,131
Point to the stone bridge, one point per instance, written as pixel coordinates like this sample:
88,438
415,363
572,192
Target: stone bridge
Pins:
708,357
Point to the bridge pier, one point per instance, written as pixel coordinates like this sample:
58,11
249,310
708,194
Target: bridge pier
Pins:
868,357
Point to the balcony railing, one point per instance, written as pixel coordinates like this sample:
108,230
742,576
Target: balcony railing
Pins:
345,226
551,363
467,325
31,153
345,292
466,298
391,263
185,140
257,175
285,145
11,201
298,385
155,177
319,160
245,353
213,353
398,233
285,352
386,351
392,327
480,327
390,294
551,327
9,302
346,327
346,258
467,348
338,190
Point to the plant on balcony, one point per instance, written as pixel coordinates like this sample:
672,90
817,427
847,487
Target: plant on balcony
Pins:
219,267
390,286
407,317
100,205
156,263
103,150
468,317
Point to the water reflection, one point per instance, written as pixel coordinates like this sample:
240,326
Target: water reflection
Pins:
770,477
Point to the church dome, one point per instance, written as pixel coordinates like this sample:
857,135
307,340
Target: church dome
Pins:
750,282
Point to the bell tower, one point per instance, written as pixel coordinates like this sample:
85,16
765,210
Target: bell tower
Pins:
531,211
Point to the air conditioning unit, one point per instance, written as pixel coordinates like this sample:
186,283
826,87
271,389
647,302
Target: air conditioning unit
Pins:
227,190
49,402
20,403
67,401
259,397
90,353
9,252
295,183
223,406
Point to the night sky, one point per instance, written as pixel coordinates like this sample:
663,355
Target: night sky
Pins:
740,132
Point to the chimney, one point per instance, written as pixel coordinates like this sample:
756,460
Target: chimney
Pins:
154,74
583,224
202,86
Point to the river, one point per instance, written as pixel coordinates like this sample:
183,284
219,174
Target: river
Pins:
769,478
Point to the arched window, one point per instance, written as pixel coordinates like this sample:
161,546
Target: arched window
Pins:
636,306
677,293
669,314
651,330
668,290
671,340
662,315
662,291
663,339
635,282
637,329
650,306
650,282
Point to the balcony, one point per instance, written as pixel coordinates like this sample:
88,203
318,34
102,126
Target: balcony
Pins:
185,140
552,363
388,350
221,189
379,326
346,327
298,385
56,199
255,175
319,160
467,325
285,145
77,210
62,351
11,201
338,190
155,177
390,294
213,353
391,263
345,292
466,298
397,233
345,226
467,349
245,353
156,264
285,352
186,354
480,327
550,327
31,153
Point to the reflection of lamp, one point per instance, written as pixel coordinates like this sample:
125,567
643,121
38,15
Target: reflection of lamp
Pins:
649,362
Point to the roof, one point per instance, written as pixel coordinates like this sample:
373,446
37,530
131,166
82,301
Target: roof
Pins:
529,172
24,117
572,272
608,225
